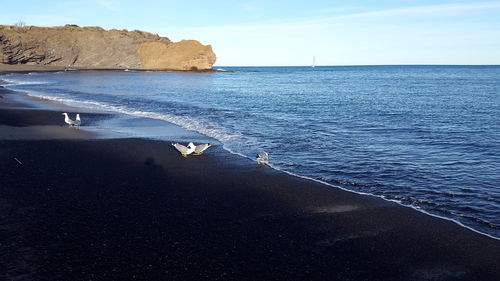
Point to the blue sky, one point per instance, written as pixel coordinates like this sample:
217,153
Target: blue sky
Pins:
292,32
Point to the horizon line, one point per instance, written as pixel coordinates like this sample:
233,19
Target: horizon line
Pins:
426,64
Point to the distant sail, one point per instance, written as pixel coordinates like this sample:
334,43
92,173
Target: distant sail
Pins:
314,62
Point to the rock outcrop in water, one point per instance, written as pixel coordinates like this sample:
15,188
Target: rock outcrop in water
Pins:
96,48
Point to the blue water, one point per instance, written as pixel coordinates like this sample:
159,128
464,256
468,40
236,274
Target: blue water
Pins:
426,136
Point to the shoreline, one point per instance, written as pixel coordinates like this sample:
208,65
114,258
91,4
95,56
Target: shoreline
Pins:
56,104
14,68
326,221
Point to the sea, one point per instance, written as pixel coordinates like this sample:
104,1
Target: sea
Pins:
424,136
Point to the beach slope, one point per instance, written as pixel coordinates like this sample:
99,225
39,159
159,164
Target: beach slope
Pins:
73,207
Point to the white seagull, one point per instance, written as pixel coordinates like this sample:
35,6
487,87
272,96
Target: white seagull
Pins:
68,121
184,150
199,149
262,158
78,121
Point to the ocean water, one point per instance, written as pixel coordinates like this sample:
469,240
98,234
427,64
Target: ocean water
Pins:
425,136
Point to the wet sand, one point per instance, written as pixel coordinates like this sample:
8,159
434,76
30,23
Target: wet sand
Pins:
9,68
75,207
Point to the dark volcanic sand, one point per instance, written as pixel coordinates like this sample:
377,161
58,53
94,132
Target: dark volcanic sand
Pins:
133,209
23,68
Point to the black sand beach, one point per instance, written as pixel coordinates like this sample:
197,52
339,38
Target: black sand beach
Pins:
74,207
20,68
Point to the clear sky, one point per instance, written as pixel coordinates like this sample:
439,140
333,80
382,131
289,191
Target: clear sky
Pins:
290,32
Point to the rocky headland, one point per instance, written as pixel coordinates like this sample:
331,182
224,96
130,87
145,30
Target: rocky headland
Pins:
95,48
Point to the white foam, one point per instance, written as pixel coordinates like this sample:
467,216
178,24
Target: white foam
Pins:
416,208
13,82
189,123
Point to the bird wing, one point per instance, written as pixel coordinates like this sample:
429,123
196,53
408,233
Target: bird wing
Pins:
202,147
181,148
69,121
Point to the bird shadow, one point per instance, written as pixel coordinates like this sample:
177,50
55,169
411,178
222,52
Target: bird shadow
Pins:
150,164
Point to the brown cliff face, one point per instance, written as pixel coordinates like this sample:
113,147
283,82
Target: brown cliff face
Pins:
94,47
184,55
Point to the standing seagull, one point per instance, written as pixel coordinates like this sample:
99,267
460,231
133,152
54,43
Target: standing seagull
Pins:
262,158
199,149
68,121
185,151
78,121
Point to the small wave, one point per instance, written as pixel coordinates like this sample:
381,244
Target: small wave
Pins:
342,182
13,82
467,217
189,123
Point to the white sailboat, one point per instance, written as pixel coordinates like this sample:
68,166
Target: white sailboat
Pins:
314,62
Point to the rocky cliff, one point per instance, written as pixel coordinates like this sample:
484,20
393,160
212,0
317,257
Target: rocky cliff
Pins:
94,48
